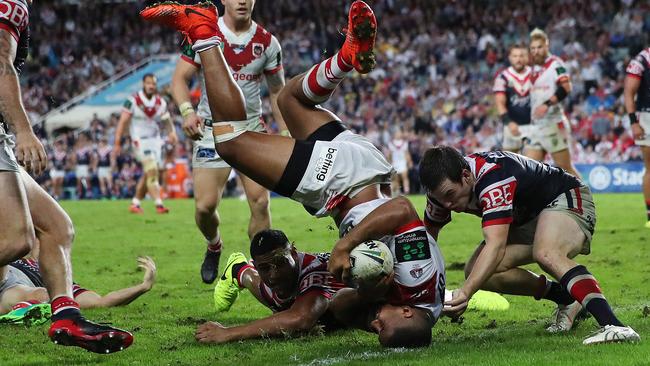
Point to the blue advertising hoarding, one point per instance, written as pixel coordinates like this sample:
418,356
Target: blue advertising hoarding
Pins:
615,177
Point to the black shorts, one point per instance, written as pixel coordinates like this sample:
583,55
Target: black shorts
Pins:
301,154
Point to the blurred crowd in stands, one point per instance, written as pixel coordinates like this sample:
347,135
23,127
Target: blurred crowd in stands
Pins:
435,66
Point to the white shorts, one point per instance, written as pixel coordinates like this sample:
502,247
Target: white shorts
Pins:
150,148
400,166
515,143
7,158
340,169
204,154
551,137
55,173
644,121
104,172
82,171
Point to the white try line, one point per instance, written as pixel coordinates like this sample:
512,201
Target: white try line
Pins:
327,361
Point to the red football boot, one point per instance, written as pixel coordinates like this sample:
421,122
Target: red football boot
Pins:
194,21
136,209
82,333
360,37
161,209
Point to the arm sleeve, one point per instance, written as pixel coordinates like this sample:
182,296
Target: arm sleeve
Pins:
129,105
274,58
500,84
560,70
636,67
496,196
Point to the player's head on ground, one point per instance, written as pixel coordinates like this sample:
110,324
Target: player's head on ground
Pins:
402,326
239,10
538,46
446,175
276,261
518,56
149,84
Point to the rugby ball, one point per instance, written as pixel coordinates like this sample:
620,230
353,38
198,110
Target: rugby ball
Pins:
370,261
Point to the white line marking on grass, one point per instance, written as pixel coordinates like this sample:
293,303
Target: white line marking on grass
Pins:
353,356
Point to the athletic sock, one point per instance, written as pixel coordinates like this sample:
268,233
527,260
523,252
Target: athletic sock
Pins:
584,288
63,307
323,78
647,208
159,202
215,244
554,291
135,201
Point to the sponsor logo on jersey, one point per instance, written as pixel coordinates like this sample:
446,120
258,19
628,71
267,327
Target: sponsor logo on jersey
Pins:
498,196
206,153
15,13
240,76
325,162
416,272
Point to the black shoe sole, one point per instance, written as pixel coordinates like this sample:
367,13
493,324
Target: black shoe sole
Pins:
208,276
108,342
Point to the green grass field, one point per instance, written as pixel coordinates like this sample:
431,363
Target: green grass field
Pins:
163,321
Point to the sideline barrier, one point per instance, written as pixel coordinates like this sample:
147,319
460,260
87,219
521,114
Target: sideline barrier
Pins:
614,177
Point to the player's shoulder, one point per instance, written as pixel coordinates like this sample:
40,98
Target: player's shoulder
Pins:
500,72
555,60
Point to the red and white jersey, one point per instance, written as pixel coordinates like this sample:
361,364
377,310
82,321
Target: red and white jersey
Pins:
419,266
146,115
516,87
639,68
250,55
313,276
546,79
14,17
399,148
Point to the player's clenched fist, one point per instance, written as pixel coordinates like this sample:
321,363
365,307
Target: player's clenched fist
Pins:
30,152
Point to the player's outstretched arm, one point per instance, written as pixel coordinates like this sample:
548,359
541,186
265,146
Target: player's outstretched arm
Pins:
300,317
385,220
91,299
29,150
495,248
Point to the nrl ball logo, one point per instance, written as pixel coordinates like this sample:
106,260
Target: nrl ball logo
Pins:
416,272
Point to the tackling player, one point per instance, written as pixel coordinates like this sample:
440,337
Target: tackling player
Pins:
512,98
295,285
28,211
22,292
637,84
532,213
252,54
326,167
142,114
550,129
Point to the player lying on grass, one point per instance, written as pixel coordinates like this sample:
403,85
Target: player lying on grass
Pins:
23,297
326,167
531,213
295,285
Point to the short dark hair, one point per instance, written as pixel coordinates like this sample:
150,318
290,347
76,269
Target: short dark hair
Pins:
411,334
439,163
148,75
517,45
267,240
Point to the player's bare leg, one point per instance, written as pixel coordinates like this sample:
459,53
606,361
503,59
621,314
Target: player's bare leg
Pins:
562,159
558,239
140,192
17,228
259,204
55,234
645,150
151,177
262,157
535,153
208,190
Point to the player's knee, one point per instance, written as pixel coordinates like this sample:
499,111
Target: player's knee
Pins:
544,257
260,205
205,208
63,233
18,242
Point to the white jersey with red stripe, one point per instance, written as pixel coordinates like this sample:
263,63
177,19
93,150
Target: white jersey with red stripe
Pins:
313,276
639,67
146,115
419,265
546,79
250,56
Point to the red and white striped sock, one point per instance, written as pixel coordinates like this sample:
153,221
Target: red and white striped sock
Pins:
240,271
323,78
64,307
215,244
